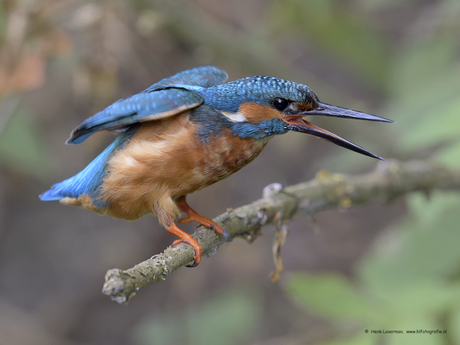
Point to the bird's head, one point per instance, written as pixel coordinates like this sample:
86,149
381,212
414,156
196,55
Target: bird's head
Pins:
278,106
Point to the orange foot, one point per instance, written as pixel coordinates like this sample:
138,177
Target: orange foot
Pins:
186,238
195,217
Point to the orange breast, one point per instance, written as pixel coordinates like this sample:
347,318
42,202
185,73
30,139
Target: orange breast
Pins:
166,160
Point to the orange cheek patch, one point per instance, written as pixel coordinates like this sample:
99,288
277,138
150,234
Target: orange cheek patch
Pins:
254,112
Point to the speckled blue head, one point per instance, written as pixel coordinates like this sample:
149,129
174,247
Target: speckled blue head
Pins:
260,90
259,107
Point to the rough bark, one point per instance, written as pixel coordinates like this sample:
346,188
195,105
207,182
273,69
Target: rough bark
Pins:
390,180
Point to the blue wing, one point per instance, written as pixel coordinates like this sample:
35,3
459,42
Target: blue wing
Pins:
204,76
138,108
166,98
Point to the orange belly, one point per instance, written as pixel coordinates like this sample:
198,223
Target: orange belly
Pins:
166,160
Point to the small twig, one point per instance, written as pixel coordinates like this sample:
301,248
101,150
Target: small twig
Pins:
281,232
390,180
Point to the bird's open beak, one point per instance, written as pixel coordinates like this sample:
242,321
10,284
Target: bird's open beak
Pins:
298,124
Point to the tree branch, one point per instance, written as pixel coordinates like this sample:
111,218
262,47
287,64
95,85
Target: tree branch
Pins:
390,180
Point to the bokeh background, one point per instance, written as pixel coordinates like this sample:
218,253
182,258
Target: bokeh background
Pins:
380,266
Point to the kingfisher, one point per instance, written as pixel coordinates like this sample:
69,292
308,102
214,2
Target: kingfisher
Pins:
183,134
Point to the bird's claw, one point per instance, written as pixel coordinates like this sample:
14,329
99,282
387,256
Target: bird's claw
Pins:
179,241
220,232
227,236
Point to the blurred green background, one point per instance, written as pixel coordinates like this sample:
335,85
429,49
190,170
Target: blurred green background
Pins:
377,267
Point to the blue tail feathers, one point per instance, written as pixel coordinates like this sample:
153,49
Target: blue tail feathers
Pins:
89,180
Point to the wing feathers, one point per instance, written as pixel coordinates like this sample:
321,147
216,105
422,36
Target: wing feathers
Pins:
166,98
204,76
138,108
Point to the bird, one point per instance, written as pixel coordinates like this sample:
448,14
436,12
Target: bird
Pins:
185,133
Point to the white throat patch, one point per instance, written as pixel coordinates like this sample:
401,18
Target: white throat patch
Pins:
234,117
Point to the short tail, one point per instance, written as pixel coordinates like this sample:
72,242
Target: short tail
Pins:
87,181
52,194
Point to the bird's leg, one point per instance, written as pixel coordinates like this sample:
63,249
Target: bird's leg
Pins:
186,238
195,217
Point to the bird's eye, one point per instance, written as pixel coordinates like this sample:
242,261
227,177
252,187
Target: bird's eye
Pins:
280,103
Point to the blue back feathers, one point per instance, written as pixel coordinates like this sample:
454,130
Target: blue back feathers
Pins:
204,76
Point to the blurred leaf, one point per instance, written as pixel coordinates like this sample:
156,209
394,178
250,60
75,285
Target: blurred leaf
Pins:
225,319
421,63
405,283
20,146
425,86
382,4
423,250
344,34
427,210
424,80
454,326
428,99
330,295
450,155
435,127
422,298
161,331
379,4
361,339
